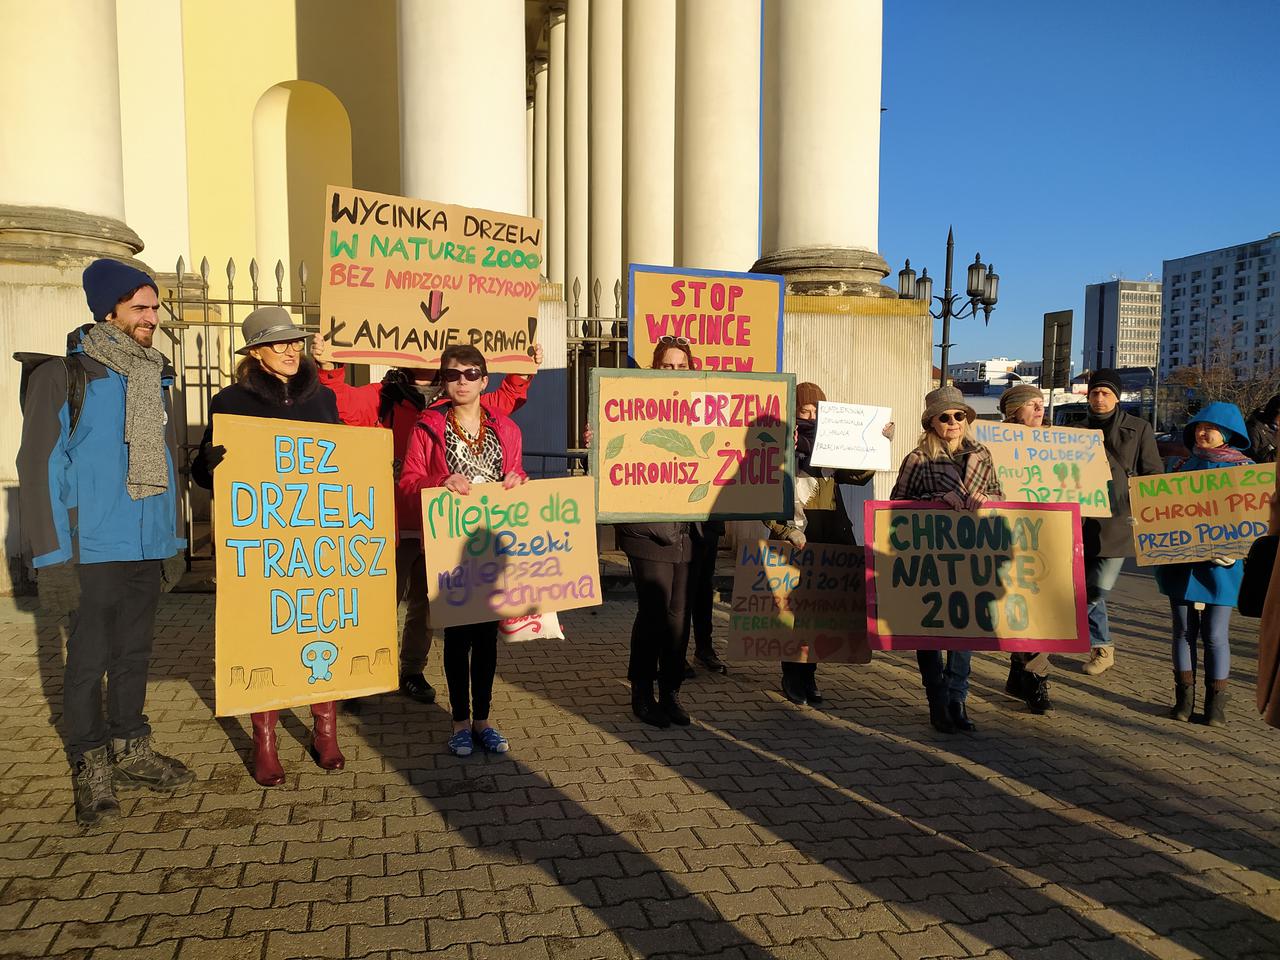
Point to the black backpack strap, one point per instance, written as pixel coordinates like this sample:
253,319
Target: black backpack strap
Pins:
77,383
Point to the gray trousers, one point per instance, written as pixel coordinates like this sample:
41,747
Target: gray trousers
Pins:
112,630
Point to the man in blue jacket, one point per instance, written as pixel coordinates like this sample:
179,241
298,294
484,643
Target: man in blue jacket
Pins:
101,496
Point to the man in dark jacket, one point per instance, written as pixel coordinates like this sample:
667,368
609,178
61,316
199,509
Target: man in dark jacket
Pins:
103,498
1262,431
1131,452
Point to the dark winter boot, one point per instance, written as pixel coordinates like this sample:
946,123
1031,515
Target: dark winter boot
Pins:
1037,694
939,717
1016,685
91,785
959,718
138,766
324,736
669,703
266,759
1215,707
793,685
643,706
1184,696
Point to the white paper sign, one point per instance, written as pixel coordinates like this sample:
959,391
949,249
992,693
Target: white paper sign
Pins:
849,437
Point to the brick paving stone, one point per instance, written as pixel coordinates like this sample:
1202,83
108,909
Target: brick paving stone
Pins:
288,946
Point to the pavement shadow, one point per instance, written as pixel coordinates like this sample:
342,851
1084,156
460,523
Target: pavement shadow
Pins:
873,830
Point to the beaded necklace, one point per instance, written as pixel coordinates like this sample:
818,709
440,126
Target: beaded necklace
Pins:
476,446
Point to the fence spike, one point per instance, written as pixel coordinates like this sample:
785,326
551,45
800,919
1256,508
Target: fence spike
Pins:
253,270
180,268
279,273
302,272
204,269
617,298
231,270
577,293
595,297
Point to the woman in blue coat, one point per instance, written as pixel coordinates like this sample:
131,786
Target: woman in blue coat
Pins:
1203,594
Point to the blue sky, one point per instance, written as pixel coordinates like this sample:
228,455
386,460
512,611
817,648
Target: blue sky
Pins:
1070,141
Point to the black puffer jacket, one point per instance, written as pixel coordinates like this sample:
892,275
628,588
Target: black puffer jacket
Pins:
260,394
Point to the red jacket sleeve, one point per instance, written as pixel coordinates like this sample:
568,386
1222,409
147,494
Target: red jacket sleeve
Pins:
509,397
357,406
420,468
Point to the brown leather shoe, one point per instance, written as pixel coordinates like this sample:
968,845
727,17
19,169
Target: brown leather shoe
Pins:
266,760
324,736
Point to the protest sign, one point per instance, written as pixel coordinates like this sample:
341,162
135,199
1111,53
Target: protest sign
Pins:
405,278
498,554
850,437
1009,576
807,606
1198,514
1049,464
692,446
732,321
305,541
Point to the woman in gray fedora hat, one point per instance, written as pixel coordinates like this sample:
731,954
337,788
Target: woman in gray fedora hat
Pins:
949,465
277,380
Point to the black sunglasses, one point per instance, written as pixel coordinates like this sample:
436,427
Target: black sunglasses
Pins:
453,374
948,418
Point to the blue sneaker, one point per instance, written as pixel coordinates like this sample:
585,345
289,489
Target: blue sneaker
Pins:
460,743
492,741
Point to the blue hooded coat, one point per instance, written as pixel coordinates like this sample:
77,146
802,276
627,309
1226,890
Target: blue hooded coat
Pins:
72,492
1207,582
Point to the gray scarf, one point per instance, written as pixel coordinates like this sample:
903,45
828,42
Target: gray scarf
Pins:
144,414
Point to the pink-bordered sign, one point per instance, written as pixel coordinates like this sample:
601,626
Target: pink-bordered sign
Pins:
1079,643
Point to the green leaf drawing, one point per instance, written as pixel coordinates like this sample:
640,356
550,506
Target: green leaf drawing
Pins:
615,447
673,441
764,437
708,439
699,492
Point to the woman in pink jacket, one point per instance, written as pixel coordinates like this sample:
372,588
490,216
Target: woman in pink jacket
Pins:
458,446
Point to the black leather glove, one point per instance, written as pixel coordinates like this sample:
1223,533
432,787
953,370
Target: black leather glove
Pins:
214,456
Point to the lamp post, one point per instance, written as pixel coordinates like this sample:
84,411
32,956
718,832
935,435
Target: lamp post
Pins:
982,288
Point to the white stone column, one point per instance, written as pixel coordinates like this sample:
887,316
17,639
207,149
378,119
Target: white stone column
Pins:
540,142
649,131
462,115
606,152
823,145
576,152
718,145
528,154
555,146
61,194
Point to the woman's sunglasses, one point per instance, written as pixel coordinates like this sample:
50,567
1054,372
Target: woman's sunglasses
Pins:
287,346
453,374
678,341
951,418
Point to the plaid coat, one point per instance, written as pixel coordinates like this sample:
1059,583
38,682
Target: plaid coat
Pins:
923,479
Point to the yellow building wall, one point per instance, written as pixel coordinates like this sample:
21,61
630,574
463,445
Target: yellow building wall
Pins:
235,52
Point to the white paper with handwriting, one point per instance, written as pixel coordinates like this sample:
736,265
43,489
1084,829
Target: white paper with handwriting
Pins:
850,437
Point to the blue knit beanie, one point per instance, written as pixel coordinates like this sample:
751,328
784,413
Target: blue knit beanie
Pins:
107,281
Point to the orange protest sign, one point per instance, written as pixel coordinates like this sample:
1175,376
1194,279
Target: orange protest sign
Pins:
404,279
496,554
692,446
732,321
803,605
305,539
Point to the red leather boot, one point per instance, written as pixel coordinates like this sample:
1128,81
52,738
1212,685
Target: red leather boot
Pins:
266,761
324,737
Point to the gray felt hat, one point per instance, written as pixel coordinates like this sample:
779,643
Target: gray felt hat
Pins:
269,325
944,399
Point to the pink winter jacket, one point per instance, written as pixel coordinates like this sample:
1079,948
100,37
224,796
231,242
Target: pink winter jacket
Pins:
424,460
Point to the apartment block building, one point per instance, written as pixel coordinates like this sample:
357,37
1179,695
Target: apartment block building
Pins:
1121,324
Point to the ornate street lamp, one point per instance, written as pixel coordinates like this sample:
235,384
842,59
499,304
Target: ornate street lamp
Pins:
982,288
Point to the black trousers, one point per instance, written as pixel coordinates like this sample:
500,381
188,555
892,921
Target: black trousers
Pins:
660,634
111,635
470,661
799,671
702,573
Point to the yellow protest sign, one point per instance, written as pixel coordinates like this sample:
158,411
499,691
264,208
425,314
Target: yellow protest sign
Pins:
496,554
806,606
1009,576
732,321
405,278
692,446
1050,464
305,541
1197,514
